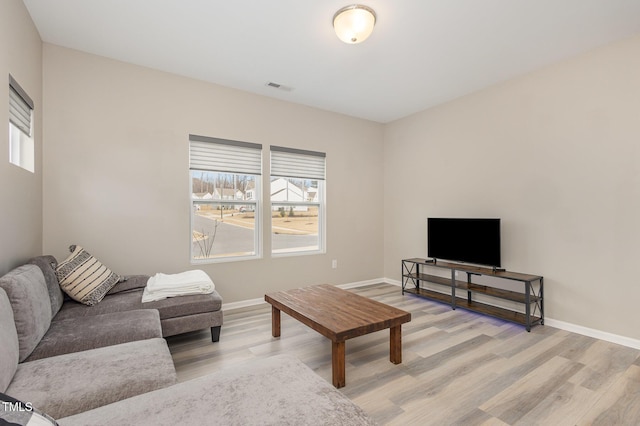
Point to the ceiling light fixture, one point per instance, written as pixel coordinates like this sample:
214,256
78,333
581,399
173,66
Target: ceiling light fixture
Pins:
354,23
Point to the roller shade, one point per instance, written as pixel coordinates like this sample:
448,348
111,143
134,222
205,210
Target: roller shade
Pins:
223,155
297,163
20,107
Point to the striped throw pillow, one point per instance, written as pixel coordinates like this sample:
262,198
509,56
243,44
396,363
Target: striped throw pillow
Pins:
84,278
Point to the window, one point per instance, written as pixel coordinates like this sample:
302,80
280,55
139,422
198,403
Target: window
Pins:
21,145
297,201
225,199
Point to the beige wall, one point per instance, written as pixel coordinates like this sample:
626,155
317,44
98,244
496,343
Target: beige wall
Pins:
20,190
556,155
117,180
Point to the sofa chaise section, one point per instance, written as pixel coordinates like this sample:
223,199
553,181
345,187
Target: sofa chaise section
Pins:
177,314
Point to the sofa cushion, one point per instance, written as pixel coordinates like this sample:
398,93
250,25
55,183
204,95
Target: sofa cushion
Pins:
68,384
130,282
81,334
47,265
16,412
30,303
84,278
9,348
279,390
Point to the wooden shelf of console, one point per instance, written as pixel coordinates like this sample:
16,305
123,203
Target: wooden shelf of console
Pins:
444,290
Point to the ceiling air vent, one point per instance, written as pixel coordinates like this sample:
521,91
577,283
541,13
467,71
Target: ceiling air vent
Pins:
279,86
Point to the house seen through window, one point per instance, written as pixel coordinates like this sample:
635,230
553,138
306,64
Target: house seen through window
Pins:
297,201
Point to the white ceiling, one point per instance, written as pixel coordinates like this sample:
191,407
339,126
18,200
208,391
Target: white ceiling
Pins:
421,53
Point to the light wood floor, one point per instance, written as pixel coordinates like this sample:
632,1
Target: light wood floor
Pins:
458,367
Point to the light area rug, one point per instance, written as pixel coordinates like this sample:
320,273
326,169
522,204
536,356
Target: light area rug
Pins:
279,390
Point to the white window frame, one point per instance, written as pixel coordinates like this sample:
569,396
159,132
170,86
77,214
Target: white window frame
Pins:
291,163
21,141
226,160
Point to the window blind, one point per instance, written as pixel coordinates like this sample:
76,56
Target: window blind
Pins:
20,107
223,155
297,163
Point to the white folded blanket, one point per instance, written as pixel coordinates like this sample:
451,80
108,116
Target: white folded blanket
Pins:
160,286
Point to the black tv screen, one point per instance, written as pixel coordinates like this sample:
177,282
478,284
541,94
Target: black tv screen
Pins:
464,240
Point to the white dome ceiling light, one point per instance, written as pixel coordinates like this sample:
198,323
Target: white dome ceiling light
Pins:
354,23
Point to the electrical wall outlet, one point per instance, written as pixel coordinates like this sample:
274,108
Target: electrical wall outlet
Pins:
334,263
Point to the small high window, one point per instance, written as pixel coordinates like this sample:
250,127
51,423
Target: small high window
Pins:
21,144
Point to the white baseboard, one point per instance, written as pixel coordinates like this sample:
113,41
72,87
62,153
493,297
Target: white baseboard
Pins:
255,302
562,325
590,332
242,304
361,283
392,282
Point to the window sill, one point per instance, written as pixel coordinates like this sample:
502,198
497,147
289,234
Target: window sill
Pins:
224,259
298,253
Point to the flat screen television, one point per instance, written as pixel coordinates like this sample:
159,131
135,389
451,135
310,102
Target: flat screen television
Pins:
466,240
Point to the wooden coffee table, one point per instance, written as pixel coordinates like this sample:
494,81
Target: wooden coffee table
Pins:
339,315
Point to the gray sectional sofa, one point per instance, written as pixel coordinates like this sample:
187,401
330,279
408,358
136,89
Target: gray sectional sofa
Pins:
112,366
70,366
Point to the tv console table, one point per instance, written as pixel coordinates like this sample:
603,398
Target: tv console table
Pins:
531,296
